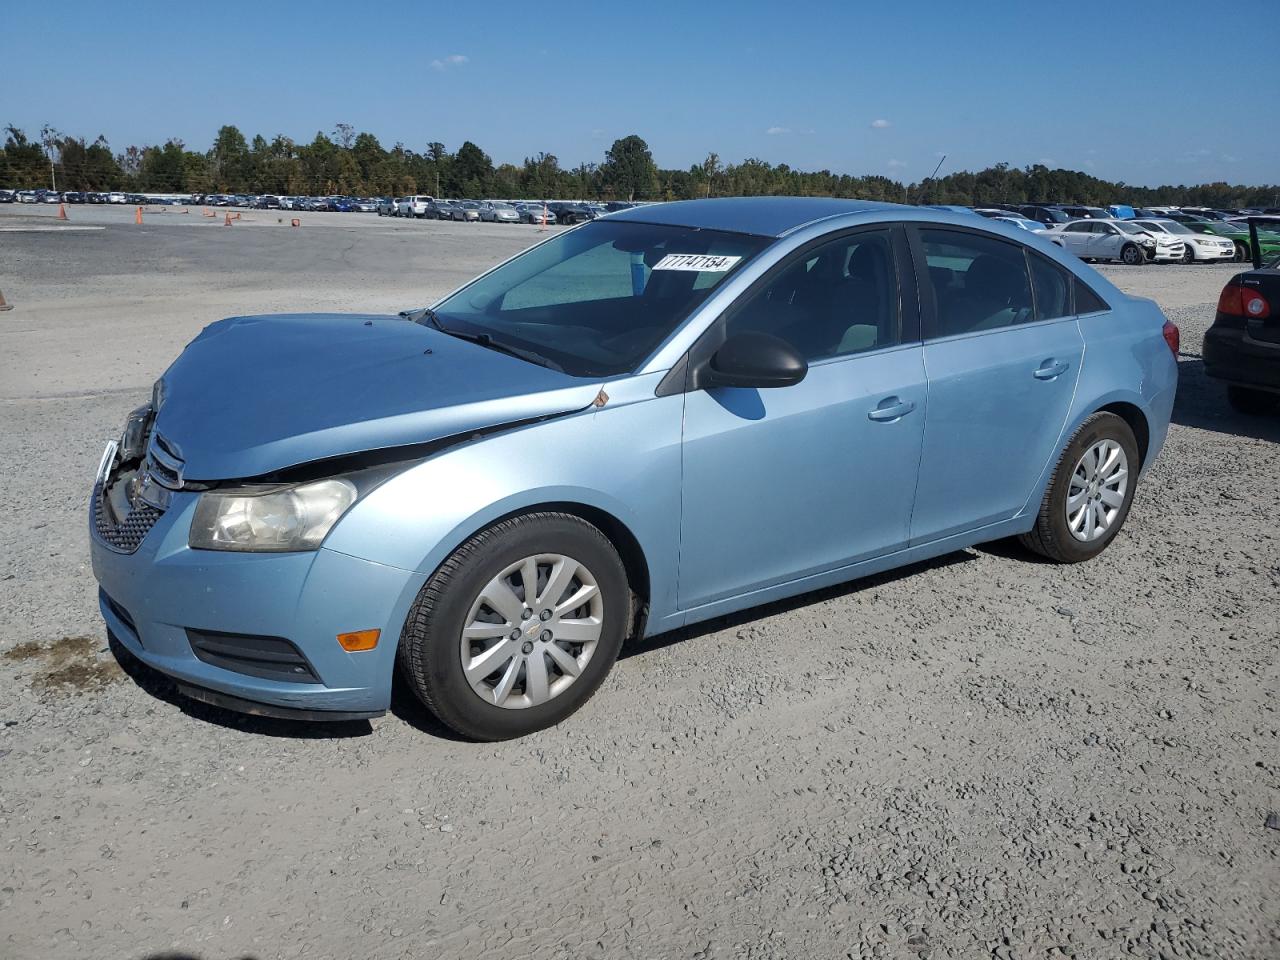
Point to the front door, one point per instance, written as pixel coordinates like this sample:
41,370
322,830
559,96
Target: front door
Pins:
782,483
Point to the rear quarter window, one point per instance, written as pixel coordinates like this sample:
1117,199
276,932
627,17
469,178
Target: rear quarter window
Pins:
1086,300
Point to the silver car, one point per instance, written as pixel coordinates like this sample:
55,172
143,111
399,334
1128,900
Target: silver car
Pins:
535,213
467,210
496,211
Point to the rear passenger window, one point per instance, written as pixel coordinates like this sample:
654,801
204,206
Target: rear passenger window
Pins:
1087,301
1052,288
979,283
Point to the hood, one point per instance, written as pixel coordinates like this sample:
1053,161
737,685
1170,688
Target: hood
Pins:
253,395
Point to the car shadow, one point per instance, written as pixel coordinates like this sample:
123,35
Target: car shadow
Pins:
405,706
637,648
156,684
1202,403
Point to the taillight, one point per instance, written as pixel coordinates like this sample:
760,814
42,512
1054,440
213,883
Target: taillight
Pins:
1241,301
1172,336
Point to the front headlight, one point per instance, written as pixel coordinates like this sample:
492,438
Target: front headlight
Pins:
270,518
158,392
1147,242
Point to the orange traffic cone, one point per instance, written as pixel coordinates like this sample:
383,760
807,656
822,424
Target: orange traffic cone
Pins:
4,306
208,213
137,217
295,222
62,211
227,222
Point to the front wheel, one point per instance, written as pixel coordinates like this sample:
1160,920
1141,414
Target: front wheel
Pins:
1188,254
1243,255
519,627
1090,493
1132,255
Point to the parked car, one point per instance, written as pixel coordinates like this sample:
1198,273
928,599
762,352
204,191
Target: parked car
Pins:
1242,347
1022,223
1113,240
1196,246
415,206
440,210
1086,213
1238,233
387,206
1121,211
467,211
1183,217
536,213
567,212
543,465
496,211
1043,213
8,196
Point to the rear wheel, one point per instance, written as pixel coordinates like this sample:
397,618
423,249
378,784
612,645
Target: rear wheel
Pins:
1089,496
517,629
1132,255
1253,403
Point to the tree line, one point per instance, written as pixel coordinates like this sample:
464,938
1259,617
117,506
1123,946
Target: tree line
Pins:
350,163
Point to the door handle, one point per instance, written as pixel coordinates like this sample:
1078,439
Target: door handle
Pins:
1051,369
891,408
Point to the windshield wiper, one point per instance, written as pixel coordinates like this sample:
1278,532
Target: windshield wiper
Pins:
481,339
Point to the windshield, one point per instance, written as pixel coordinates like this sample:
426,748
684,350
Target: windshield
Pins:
1130,227
597,300
1173,226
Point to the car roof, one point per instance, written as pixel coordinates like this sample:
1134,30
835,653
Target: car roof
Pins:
763,216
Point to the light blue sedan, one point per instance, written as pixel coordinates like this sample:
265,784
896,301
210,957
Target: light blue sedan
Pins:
667,415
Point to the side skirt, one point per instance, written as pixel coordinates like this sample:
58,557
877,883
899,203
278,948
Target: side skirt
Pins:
865,568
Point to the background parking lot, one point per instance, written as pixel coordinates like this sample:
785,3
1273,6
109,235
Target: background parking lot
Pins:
984,755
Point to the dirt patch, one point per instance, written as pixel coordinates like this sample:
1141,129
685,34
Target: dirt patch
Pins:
69,663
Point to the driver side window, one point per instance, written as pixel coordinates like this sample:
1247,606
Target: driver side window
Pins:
833,300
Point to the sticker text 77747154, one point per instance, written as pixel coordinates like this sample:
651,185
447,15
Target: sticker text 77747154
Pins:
697,262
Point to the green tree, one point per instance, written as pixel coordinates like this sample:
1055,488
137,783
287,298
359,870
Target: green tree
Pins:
472,170
628,170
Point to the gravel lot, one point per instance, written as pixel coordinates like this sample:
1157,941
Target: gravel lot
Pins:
981,756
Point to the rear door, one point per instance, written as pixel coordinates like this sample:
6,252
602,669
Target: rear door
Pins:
1002,366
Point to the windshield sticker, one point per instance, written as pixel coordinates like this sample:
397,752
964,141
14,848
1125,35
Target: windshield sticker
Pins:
697,262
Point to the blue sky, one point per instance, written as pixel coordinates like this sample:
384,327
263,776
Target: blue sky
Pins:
1146,93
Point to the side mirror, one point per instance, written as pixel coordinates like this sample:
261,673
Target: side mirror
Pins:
756,360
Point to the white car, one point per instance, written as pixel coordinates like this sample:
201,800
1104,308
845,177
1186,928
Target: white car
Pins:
415,206
1119,240
1196,246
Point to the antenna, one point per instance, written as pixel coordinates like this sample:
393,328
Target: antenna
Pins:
934,175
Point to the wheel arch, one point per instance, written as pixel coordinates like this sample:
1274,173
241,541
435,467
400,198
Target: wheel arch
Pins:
1133,415
618,533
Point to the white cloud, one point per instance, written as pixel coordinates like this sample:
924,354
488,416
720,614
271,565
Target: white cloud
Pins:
880,124
453,60
774,131
897,164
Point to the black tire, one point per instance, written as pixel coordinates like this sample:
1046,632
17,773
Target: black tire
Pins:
1243,255
1133,255
1051,537
1188,253
429,644
1252,403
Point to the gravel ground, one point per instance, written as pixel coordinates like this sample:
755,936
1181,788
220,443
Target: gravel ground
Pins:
982,756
